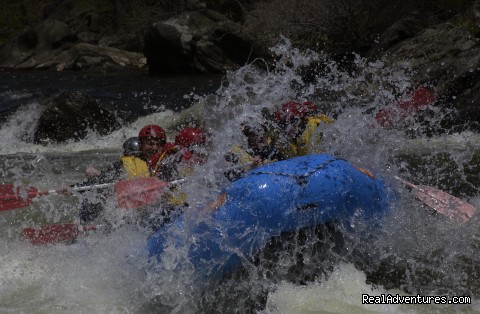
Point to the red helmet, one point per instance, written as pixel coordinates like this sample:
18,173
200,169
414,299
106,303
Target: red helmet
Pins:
418,99
294,110
152,131
190,136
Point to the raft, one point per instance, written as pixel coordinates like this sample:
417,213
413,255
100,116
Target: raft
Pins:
280,197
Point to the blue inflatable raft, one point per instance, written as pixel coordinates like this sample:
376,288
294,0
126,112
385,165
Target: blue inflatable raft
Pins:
279,197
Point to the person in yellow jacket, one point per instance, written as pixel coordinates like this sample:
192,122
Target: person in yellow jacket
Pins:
297,129
133,165
136,164
131,150
259,150
291,131
188,151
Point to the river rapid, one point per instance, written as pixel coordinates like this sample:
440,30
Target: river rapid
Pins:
416,252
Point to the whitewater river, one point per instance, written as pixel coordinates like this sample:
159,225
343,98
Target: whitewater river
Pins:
415,253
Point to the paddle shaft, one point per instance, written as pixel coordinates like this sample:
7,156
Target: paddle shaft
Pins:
81,188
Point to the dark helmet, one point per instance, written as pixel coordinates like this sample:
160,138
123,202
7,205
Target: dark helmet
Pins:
190,136
152,131
294,110
131,147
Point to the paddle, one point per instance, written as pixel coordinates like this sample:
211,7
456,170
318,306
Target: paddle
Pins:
442,202
55,233
130,194
13,197
139,192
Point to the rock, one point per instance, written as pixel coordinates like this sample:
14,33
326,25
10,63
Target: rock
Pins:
84,56
69,116
76,36
405,28
167,49
198,41
28,40
53,33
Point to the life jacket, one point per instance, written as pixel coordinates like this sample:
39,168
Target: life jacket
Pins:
242,156
135,167
175,197
237,156
190,157
138,168
156,159
187,160
308,140
311,138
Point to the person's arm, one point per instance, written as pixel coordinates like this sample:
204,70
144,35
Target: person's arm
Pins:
238,156
111,174
92,172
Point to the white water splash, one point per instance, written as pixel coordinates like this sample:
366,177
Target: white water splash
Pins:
95,275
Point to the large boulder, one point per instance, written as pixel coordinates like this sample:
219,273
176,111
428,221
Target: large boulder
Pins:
198,41
70,116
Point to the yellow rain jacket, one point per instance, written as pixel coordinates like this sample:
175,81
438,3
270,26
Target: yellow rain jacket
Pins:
308,140
175,197
243,156
135,167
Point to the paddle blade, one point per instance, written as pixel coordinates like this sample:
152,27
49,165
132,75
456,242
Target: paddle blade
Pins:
139,192
12,197
444,203
49,234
